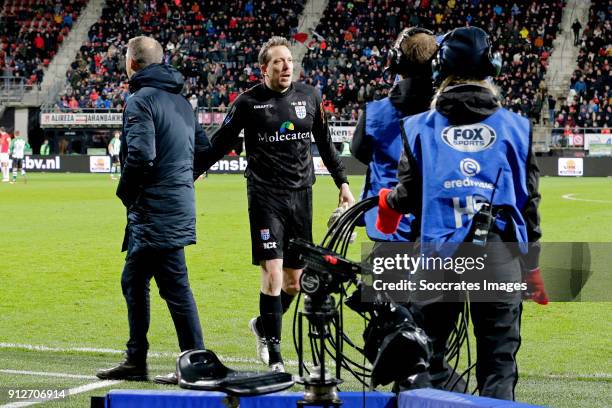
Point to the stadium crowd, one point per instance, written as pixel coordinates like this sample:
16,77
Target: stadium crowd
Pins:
214,44
31,32
347,63
588,101
215,47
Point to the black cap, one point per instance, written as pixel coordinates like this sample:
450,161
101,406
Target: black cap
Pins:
466,52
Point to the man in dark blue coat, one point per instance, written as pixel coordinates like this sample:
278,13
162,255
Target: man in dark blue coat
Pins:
162,145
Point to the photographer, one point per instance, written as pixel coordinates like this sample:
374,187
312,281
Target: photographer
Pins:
436,153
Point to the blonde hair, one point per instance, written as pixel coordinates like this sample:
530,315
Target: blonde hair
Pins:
418,48
263,57
452,81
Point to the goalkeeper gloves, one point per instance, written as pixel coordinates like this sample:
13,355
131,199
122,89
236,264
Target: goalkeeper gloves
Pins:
388,219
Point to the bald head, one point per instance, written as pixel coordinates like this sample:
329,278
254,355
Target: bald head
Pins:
142,51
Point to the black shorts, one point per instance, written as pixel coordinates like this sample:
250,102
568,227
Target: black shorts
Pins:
276,216
17,163
115,159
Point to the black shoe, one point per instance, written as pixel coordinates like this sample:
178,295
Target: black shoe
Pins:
126,370
168,379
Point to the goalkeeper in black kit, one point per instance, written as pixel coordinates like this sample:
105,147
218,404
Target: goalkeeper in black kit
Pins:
279,118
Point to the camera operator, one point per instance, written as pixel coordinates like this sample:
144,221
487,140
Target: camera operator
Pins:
377,141
435,153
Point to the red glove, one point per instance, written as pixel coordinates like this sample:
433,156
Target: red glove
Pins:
535,287
388,219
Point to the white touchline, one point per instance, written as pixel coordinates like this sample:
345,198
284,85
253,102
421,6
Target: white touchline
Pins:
50,374
71,391
576,376
112,351
571,197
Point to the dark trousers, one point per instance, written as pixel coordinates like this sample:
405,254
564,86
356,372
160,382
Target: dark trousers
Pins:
168,268
497,324
497,331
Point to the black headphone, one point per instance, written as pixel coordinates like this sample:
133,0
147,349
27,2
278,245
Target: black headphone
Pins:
397,63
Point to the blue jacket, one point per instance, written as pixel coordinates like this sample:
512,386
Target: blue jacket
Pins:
382,124
459,164
160,140
438,162
378,144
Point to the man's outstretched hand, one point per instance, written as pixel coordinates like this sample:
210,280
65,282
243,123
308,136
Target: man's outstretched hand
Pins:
346,197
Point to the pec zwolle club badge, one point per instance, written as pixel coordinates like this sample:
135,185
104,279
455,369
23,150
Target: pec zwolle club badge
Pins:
300,111
265,234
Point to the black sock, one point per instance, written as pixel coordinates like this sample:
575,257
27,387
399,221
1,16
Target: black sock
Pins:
271,316
286,300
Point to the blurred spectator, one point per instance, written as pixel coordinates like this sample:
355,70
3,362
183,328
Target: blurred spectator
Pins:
576,27
44,148
551,108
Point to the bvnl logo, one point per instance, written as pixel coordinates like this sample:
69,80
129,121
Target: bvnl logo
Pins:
286,126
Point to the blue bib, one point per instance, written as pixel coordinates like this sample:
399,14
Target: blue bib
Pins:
383,125
459,165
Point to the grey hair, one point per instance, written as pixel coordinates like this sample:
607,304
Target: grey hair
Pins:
275,41
145,51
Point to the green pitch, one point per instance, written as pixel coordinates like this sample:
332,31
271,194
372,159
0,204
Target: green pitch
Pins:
60,288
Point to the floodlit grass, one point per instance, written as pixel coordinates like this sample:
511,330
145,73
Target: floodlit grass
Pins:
60,286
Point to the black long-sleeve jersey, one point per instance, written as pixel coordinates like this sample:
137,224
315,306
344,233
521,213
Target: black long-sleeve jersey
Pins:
278,130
